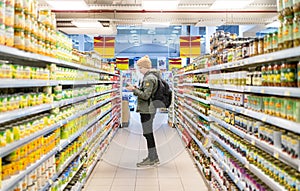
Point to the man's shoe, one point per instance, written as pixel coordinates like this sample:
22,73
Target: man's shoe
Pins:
146,162
156,161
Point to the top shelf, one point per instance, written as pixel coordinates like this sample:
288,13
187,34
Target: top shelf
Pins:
270,57
22,55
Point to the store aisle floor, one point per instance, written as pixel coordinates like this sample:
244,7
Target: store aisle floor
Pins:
117,170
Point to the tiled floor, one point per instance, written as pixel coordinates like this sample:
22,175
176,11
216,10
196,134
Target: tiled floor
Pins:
117,170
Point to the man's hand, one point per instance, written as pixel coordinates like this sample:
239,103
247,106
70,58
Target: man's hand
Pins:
130,87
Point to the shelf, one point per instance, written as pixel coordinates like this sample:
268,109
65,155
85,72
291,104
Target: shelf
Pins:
218,178
266,179
270,57
197,141
279,91
198,113
9,184
15,114
257,172
272,150
10,147
276,121
228,88
225,168
18,83
74,173
229,149
197,99
194,124
203,70
229,127
196,84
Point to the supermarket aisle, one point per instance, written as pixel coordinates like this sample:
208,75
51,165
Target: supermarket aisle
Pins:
118,172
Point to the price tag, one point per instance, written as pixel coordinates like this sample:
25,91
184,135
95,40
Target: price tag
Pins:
52,106
264,119
59,147
61,123
235,181
50,182
69,141
262,91
287,93
48,83
276,155
253,142
247,166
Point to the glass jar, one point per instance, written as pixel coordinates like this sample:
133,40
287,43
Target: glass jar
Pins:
288,75
260,46
298,69
296,31
276,72
245,49
264,75
288,32
265,44
270,75
255,47
287,7
275,41
280,32
269,43
279,6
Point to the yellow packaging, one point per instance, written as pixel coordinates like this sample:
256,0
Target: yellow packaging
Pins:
9,13
9,35
19,39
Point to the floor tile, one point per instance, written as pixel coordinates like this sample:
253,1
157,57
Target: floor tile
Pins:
147,188
117,170
143,181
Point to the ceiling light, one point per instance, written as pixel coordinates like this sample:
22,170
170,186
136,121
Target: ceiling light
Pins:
160,5
156,24
175,31
133,31
203,23
275,24
134,35
177,27
230,4
68,4
87,23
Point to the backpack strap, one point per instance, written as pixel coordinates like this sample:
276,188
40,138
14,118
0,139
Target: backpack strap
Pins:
154,90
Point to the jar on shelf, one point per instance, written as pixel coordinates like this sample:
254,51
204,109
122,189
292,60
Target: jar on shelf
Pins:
264,75
287,7
275,41
296,31
279,6
298,76
276,72
288,32
255,47
269,43
280,31
288,75
270,75
265,44
260,46
245,49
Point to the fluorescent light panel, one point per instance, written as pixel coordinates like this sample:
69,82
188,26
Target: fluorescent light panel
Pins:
230,4
87,24
160,5
68,4
156,24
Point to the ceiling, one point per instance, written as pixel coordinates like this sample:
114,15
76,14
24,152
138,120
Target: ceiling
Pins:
188,12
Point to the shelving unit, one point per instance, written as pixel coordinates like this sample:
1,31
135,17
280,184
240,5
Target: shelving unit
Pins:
31,59
279,122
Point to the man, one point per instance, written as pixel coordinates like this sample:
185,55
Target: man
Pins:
145,107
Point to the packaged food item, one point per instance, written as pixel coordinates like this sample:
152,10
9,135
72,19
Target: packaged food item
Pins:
298,76
288,75
288,32
296,31
2,22
275,41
